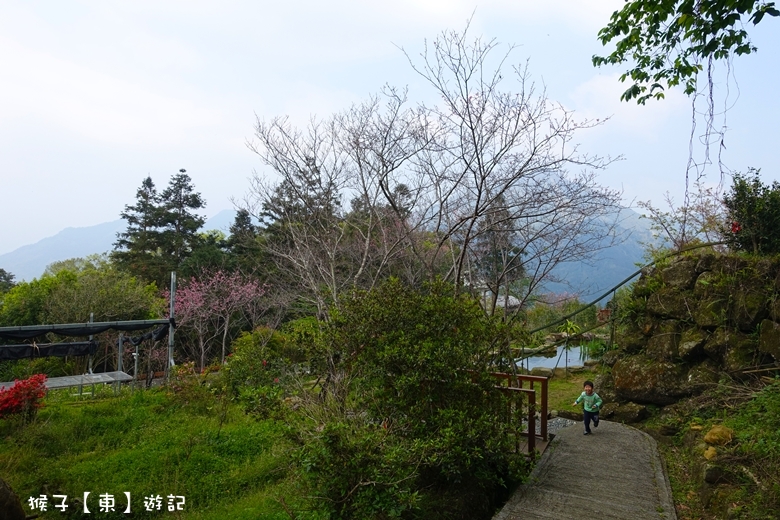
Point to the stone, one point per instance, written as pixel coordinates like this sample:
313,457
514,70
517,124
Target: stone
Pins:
769,339
706,262
710,453
750,306
630,413
705,284
668,430
710,312
10,506
644,380
691,345
713,474
610,357
663,345
542,371
670,303
716,344
680,275
719,435
703,375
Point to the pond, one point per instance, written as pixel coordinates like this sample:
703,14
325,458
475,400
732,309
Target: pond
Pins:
576,356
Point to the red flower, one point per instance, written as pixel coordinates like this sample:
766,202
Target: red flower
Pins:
735,227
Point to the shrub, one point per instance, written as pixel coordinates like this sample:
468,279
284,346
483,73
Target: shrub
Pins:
24,398
408,426
753,210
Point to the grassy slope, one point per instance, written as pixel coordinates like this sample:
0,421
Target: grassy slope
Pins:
150,443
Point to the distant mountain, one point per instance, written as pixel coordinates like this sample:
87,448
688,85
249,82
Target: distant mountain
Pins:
28,262
588,279
591,278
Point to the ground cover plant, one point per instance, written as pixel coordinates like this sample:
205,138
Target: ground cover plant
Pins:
748,464
147,443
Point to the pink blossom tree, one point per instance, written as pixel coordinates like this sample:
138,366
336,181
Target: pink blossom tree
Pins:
211,304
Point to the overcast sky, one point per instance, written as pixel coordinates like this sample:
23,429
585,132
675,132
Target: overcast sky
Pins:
95,96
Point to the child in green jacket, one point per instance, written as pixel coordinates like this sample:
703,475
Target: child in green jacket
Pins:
591,404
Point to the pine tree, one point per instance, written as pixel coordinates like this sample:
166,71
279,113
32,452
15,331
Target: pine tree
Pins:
138,249
180,224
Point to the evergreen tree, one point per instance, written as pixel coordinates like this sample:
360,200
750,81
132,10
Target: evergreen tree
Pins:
180,224
138,249
6,281
162,229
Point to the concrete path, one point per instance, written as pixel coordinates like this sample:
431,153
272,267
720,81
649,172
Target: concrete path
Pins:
615,473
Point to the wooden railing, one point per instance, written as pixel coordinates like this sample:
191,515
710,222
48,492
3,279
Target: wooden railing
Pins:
514,385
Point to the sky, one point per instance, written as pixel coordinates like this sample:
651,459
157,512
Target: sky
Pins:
95,96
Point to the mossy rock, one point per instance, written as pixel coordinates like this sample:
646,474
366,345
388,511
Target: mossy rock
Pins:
663,345
711,312
749,306
769,339
691,345
10,506
670,303
644,380
680,275
706,261
733,350
632,343
702,376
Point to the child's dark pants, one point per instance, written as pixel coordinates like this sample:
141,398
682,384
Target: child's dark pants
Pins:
587,417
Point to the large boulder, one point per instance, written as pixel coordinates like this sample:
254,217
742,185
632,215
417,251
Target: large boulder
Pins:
10,506
680,275
769,339
670,303
710,312
629,413
663,345
733,350
750,306
702,375
644,380
691,346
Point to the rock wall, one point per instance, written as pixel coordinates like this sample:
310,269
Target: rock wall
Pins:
691,319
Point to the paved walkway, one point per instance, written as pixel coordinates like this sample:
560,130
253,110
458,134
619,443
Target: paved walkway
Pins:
616,473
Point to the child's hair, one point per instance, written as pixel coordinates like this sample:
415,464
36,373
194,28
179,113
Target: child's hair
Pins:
587,383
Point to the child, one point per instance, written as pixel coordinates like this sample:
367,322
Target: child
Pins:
592,404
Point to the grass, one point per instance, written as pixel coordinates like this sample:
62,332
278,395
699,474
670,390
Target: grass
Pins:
751,486
149,443
563,391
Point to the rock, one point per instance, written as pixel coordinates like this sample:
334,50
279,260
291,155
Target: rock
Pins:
663,345
733,350
608,410
691,346
542,371
704,285
710,453
702,375
590,363
604,386
630,413
610,357
632,343
706,261
769,339
713,474
750,306
668,430
719,435
643,380
570,414
670,303
10,506
710,312
680,275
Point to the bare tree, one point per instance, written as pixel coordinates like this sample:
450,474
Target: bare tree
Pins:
479,179
499,163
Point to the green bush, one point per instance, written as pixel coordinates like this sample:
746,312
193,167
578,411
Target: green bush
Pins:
753,210
407,426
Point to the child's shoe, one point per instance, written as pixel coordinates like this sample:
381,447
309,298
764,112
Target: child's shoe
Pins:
586,433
